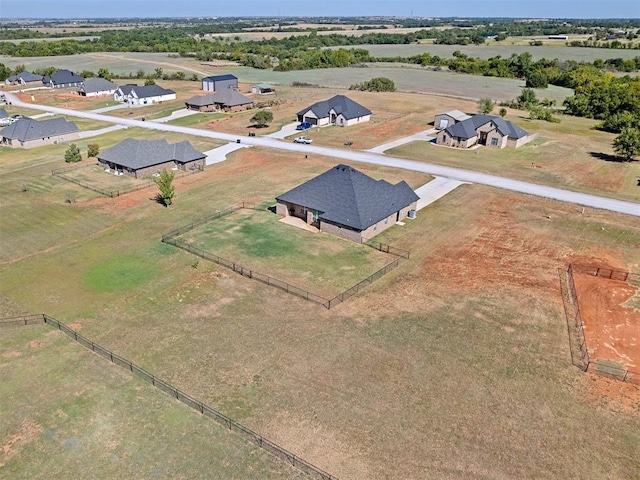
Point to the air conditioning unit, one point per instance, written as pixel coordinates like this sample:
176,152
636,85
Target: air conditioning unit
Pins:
412,214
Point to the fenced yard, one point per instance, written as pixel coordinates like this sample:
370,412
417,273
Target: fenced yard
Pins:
250,240
602,326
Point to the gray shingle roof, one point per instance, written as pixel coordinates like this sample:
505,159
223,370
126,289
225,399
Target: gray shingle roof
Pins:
26,129
348,197
136,154
126,89
63,76
3,113
341,104
467,128
228,97
218,78
25,76
147,91
97,85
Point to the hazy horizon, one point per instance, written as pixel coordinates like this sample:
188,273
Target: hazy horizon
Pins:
131,9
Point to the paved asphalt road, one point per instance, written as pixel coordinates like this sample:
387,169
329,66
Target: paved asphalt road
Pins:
583,199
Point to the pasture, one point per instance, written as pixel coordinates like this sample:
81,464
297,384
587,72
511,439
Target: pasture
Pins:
456,364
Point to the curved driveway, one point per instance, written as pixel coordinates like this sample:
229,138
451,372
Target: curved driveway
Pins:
584,199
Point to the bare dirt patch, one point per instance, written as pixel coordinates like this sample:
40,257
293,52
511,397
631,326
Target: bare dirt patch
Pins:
611,328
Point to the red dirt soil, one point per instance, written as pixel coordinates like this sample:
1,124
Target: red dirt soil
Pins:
611,328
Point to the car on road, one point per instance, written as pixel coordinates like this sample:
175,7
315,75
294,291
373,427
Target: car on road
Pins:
304,126
302,140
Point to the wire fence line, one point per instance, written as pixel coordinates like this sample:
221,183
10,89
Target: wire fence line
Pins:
171,238
575,324
62,174
248,434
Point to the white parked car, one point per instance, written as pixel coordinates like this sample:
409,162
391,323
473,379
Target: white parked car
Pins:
302,140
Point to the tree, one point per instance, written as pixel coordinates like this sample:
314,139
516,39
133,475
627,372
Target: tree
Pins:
377,84
485,105
104,73
627,144
72,155
537,79
262,118
165,184
527,98
149,81
158,72
503,112
93,149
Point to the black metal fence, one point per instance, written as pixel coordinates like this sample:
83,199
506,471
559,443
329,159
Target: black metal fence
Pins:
171,239
61,173
575,324
248,434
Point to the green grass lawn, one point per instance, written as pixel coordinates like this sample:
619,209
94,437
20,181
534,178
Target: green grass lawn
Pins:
198,119
316,262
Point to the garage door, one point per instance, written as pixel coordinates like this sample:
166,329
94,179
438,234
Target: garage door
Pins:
311,120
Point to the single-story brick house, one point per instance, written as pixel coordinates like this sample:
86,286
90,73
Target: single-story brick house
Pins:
140,158
338,110
28,133
215,83
226,100
488,130
63,79
24,78
143,95
349,204
262,89
446,119
95,87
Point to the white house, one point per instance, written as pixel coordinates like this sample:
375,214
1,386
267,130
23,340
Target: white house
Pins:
94,87
338,110
145,95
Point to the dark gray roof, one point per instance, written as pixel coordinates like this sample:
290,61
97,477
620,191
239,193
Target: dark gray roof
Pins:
25,76
126,89
97,85
26,129
348,197
341,104
138,154
3,113
63,76
467,128
219,78
226,97
147,91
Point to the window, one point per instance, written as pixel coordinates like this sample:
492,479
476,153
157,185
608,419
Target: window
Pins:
444,138
494,142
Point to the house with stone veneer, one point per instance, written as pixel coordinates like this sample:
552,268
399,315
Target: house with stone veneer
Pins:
141,158
349,204
226,100
487,130
338,110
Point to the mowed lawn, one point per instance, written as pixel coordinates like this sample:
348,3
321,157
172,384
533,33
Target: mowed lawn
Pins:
571,154
316,262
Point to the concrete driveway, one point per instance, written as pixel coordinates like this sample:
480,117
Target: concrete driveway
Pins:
462,175
422,136
284,132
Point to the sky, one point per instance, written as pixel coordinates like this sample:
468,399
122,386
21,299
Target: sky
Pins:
308,8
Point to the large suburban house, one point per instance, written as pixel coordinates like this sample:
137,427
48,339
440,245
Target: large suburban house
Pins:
63,79
338,110
24,78
446,119
143,95
226,100
94,87
215,83
140,158
488,130
349,204
28,133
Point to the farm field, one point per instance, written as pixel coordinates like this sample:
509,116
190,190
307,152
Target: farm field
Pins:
408,78
505,50
570,154
316,262
456,364
79,416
